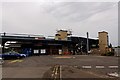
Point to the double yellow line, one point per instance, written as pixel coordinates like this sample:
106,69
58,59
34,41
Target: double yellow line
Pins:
16,61
56,73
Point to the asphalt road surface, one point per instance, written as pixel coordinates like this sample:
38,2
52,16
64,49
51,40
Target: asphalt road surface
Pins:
57,67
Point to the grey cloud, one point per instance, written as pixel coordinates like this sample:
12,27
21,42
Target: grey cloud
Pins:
45,18
77,11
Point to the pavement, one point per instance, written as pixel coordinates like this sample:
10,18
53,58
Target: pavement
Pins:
56,67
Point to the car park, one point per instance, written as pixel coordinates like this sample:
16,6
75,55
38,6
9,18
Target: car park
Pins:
12,55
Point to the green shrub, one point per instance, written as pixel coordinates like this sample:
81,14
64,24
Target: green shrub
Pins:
110,54
103,54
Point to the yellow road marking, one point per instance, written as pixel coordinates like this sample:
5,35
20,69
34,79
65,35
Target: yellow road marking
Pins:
64,57
16,61
20,60
56,70
13,61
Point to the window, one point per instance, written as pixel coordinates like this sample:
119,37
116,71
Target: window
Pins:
36,51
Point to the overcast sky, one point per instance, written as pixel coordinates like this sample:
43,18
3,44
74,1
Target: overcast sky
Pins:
46,17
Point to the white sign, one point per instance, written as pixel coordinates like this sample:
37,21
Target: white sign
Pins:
60,51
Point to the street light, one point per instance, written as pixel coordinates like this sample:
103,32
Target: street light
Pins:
87,42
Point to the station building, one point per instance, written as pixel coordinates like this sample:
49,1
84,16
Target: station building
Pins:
63,43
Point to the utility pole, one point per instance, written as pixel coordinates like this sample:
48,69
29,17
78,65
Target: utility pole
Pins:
87,42
3,44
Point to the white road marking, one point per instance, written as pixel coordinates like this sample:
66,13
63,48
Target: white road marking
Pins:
113,66
73,57
114,74
87,67
99,67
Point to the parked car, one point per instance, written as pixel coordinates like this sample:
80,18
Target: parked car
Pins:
1,61
12,55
